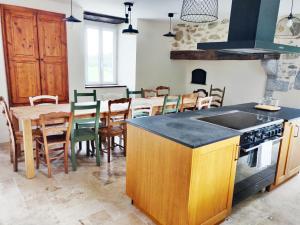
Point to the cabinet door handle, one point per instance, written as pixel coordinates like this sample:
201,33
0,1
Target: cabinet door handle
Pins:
298,128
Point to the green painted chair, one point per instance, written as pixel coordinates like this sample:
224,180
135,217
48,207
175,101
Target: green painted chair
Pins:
93,97
131,94
171,100
81,94
79,134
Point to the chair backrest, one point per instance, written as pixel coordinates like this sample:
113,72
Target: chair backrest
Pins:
78,109
131,94
43,100
169,103
141,110
55,124
162,91
117,116
9,123
218,96
202,93
204,103
148,93
189,101
81,94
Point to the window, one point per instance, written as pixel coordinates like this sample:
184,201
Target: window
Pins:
100,51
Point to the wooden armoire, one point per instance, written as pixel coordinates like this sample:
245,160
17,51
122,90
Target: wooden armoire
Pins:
35,49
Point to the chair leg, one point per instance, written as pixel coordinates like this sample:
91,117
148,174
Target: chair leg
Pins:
73,156
108,149
11,152
125,142
93,147
66,159
98,144
48,161
37,152
87,148
15,158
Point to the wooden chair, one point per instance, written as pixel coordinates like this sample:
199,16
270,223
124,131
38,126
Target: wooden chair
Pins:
90,96
131,94
162,91
204,103
83,133
189,102
202,93
218,96
169,103
54,144
139,111
43,100
16,137
148,93
116,125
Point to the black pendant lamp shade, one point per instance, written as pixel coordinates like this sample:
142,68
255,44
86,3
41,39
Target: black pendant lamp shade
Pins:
199,11
128,11
289,27
71,18
170,34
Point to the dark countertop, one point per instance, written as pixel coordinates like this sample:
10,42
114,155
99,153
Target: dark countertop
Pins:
182,129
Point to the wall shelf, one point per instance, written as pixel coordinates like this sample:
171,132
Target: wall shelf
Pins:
217,55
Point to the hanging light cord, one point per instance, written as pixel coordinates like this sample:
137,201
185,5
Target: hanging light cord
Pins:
71,7
292,7
170,24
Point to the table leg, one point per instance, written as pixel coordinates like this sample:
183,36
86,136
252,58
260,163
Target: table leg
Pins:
28,149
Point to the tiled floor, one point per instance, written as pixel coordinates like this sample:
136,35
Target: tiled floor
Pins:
93,196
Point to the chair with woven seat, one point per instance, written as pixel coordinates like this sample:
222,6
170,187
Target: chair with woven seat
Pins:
43,100
87,96
202,93
131,94
16,137
54,144
171,105
148,93
84,133
162,91
204,103
189,102
218,96
116,125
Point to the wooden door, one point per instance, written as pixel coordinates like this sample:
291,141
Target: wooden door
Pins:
53,55
22,55
293,163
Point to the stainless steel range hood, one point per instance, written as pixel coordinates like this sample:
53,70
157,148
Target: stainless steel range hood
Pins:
252,29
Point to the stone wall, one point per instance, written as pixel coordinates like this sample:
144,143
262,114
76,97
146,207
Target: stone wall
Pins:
283,74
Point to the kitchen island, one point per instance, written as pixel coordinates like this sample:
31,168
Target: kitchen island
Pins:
181,170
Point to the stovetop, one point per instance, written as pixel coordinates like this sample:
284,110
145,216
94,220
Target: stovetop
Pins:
241,121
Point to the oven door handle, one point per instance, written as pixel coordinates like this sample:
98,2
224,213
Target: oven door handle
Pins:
257,146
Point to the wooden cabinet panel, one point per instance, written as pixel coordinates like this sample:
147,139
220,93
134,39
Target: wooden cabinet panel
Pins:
22,59
35,53
178,185
293,162
25,80
52,47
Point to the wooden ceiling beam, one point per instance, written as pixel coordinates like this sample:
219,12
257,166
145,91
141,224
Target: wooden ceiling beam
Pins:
217,55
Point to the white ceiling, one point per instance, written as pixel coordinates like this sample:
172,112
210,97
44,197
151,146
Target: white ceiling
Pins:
158,9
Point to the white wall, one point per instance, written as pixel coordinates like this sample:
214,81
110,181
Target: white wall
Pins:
127,58
153,64
244,80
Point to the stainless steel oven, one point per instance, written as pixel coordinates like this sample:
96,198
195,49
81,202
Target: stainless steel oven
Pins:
257,163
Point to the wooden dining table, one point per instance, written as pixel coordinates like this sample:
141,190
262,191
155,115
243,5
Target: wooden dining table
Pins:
28,116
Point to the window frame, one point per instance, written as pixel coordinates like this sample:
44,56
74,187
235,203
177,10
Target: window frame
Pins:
101,27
